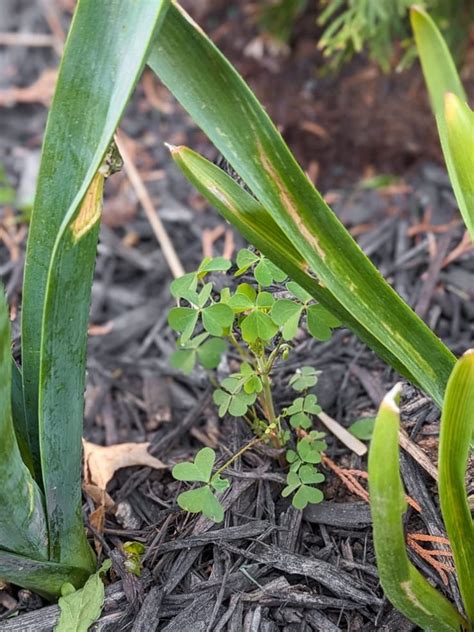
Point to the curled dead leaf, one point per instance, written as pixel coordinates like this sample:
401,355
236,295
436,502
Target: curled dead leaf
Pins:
101,462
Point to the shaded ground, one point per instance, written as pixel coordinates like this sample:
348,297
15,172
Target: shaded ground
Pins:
267,567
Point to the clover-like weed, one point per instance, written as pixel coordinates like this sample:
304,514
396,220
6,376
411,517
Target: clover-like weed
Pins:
259,321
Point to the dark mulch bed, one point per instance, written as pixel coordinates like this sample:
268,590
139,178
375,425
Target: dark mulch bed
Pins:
267,566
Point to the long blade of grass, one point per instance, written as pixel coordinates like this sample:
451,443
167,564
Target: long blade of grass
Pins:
45,578
22,519
403,585
105,52
223,106
252,220
442,77
457,427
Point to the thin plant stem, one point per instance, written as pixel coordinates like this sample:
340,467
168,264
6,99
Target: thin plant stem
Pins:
233,458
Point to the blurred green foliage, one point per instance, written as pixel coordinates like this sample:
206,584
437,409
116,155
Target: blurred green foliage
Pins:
379,27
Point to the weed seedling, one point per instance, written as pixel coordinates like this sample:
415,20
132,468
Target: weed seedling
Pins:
260,324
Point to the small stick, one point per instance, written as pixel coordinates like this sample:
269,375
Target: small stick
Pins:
162,236
418,454
343,435
38,40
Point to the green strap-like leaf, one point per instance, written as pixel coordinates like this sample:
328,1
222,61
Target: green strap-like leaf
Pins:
223,106
459,120
22,519
442,77
457,427
256,225
45,578
20,422
404,586
104,55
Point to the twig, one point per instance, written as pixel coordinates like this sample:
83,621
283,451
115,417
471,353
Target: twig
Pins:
343,435
162,236
418,454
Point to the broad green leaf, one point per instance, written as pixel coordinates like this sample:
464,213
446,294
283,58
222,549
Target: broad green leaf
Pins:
287,315
223,106
23,526
265,300
98,73
457,428
200,470
311,405
80,609
45,578
266,273
247,289
183,320
20,422
460,137
403,584
442,77
258,326
202,500
217,318
222,400
363,428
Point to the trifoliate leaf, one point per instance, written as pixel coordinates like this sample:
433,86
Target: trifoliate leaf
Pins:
258,325
304,378
300,420
291,456
310,475
310,451
200,470
287,314
363,428
201,500
216,318
183,320
211,351
253,384
80,609
307,495
310,405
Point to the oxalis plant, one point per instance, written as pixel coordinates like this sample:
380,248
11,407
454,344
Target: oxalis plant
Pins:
260,328
42,539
